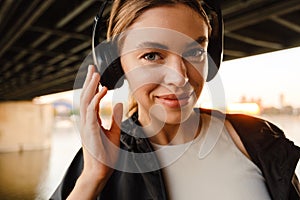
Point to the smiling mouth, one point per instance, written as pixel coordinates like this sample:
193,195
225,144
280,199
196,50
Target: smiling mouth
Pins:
173,100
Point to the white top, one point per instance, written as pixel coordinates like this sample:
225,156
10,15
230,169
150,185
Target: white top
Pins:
210,168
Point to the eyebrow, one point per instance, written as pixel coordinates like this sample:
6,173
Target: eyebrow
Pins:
199,40
154,45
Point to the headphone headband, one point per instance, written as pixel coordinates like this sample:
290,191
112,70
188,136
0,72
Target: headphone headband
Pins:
111,70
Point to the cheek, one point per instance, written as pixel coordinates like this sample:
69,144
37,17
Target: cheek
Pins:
198,69
197,85
197,78
126,62
141,76
143,93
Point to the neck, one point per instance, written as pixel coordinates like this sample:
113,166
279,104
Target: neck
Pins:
172,134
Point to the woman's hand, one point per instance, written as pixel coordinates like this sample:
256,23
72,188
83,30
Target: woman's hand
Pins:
100,146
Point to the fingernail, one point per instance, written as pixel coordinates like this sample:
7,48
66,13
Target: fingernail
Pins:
103,88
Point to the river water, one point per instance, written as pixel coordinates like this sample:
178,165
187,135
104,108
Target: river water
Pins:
36,174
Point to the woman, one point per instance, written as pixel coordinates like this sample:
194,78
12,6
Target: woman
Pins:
163,47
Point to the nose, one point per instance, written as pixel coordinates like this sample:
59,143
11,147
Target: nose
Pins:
176,71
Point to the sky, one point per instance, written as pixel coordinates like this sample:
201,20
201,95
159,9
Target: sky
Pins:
264,76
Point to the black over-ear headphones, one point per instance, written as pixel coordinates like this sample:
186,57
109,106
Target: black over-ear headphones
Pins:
108,63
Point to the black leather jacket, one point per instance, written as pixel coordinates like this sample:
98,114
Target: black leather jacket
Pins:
266,144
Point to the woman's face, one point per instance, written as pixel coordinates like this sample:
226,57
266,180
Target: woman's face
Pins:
163,55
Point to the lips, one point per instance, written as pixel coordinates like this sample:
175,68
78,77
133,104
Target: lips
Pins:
174,100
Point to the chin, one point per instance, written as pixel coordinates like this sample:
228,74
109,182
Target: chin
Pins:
175,116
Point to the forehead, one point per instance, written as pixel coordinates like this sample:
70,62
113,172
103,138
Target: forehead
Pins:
172,26
177,17
158,38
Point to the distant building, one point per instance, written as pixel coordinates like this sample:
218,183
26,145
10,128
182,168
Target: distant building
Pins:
251,108
282,101
62,108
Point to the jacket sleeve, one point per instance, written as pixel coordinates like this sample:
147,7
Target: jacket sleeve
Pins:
70,178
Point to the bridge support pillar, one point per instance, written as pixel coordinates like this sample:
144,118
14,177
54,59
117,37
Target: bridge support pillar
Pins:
25,126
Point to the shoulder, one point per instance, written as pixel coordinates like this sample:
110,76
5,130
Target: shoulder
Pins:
246,125
229,128
256,136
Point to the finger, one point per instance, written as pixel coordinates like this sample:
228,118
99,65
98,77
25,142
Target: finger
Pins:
92,87
102,93
91,70
90,135
86,82
89,93
93,108
117,118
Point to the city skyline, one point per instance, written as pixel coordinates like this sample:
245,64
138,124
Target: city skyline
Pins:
264,76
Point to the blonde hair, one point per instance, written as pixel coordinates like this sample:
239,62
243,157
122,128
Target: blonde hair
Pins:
125,12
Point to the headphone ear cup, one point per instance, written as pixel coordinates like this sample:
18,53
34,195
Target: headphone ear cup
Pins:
215,44
113,76
109,65
213,67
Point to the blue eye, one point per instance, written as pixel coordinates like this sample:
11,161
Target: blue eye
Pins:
152,56
196,54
